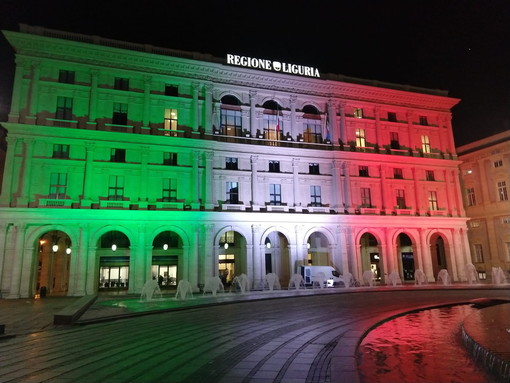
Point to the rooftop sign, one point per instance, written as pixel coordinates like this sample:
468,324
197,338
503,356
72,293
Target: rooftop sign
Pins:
275,66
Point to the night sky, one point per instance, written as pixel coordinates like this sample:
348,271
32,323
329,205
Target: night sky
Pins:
460,46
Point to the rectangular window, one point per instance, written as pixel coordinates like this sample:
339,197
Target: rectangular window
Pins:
433,200
231,163
231,122
273,127
117,155
363,171
401,199
392,117
232,193
358,112
169,190
66,76
397,173
121,83
170,158
471,200
366,197
478,253
60,151
171,90
170,122
502,192
120,112
64,108
360,138
312,131
423,120
58,185
274,166
313,168
425,144
315,196
394,143
116,188
275,194
429,175
498,163
507,244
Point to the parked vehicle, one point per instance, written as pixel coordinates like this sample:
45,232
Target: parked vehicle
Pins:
311,275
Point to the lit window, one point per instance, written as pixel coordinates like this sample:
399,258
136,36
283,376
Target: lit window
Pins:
170,122
366,197
273,126
60,151
169,190
64,108
502,192
474,224
401,199
312,130
118,155
425,144
433,201
274,166
170,158
116,188
58,185
358,112
231,163
275,194
120,112
231,122
478,253
315,196
232,193
429,175
66,76
471,200
313,168
360,138
121,83
498,163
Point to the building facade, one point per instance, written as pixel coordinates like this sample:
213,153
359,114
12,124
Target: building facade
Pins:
126,162
485,173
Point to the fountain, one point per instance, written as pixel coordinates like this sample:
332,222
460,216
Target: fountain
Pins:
368,278
184,290
213,284
419,277
498,276
242,281
394,278
272,281
348,279
444,277
471,274
149,289
297,281
320,279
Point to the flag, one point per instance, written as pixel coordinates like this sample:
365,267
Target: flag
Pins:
277,123
326,128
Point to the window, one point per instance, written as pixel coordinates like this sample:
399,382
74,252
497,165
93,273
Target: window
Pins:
425,144
358,112
66,76
232,193
64,108
502,192
498,163
360,138
58,185
392,116
471,200
312,131
315,196
121,83
171,90
274,166
119,113
170,158
507,245
363,171
273,126
366,197
432,200
118,155
116,188
478,253
170,122
169,190
313,168
397,173
423,120
60,151
275,194
401,199
394,143
231,122
429,175
231,163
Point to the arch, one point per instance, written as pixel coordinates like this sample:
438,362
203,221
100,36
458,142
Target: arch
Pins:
439,243
272,104
176,229
314,104
311,109
231,256
230,99
96,235
231,94
277,253
370,253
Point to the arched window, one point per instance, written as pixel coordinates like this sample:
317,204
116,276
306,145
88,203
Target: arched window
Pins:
273,121
230,116
312,125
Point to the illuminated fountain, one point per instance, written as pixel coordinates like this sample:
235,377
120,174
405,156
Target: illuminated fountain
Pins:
368,278
320,279
419,277
184,290
471,274
149,289
394,278
242,282
444,277
213,284
498,276
297,281
272,281
348,279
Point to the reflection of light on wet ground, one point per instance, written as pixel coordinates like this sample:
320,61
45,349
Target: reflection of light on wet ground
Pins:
420,347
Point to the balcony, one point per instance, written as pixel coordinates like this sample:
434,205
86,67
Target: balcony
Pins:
107,204
174,205
50,202
232,206
436,213
277,208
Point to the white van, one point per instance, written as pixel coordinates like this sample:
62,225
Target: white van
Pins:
311,275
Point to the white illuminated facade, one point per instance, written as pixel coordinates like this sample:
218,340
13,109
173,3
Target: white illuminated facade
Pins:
138,162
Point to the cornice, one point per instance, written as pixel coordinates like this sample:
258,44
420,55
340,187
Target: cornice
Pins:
217,73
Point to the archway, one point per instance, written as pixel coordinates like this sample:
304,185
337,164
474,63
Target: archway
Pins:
53,261
231,256
113,252
405,249
318,252
166,251
277,256
370,255
438,254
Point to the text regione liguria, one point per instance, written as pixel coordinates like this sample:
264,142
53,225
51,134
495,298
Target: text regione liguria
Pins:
250,62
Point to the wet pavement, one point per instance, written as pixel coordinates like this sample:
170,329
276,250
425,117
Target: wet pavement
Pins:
281,336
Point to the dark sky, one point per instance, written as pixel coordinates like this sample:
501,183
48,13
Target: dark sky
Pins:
462,46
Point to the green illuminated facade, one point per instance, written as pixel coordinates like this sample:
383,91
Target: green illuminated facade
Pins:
126,162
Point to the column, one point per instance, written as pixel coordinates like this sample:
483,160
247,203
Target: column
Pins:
26,280
386,207
449,199
332,121
295,182
343,132
410,130
194,106
17,236
458,206
34,91
254,183
9,173
208,252
93,96
26,174
208,187
147,85
417,199
144,176
391,253
194,180
301,248
253,115
4,230
293,127
347,186
208,107
92,270
342,247
89,174
21,67
338,196
425,256
451,142
377,114
79,261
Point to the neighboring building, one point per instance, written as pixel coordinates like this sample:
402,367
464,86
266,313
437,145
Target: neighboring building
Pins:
126,162
485,174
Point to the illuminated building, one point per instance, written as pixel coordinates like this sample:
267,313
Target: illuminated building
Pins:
193,167
485,178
